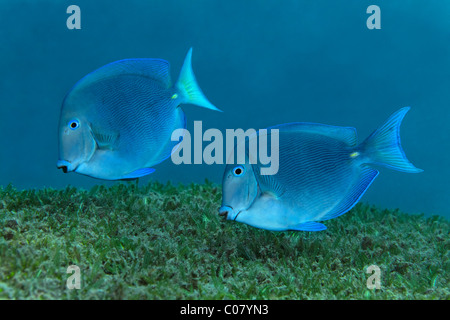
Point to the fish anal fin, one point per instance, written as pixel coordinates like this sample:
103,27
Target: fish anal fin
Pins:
138,173
358,189
309,226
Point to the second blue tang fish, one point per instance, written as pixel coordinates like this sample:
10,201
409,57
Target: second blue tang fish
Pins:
322,174
116,122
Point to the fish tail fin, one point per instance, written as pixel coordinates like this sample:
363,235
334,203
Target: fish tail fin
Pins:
188,88
383,146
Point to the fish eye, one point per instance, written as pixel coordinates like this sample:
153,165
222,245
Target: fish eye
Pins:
73,124
238,171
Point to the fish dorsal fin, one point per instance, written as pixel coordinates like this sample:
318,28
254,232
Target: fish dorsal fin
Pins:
345,134
105,139
155,69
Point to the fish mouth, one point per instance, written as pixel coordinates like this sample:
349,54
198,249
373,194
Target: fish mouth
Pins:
223,211
228,213
66,166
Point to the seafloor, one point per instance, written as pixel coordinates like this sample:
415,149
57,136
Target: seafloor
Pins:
168,242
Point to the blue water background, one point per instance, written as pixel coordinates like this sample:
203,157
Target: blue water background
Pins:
261,62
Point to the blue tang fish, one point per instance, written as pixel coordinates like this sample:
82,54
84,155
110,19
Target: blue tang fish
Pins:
322,174
116,122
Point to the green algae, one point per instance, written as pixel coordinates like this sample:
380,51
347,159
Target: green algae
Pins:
168,242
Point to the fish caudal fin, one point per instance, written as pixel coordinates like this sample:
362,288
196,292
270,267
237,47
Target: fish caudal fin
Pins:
188,88
383,146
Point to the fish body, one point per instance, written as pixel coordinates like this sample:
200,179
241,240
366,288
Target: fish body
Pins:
116,122
322,174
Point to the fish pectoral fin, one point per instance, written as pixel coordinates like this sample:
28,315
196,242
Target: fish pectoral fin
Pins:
138,173
105,139
270,194
309,226
270,185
